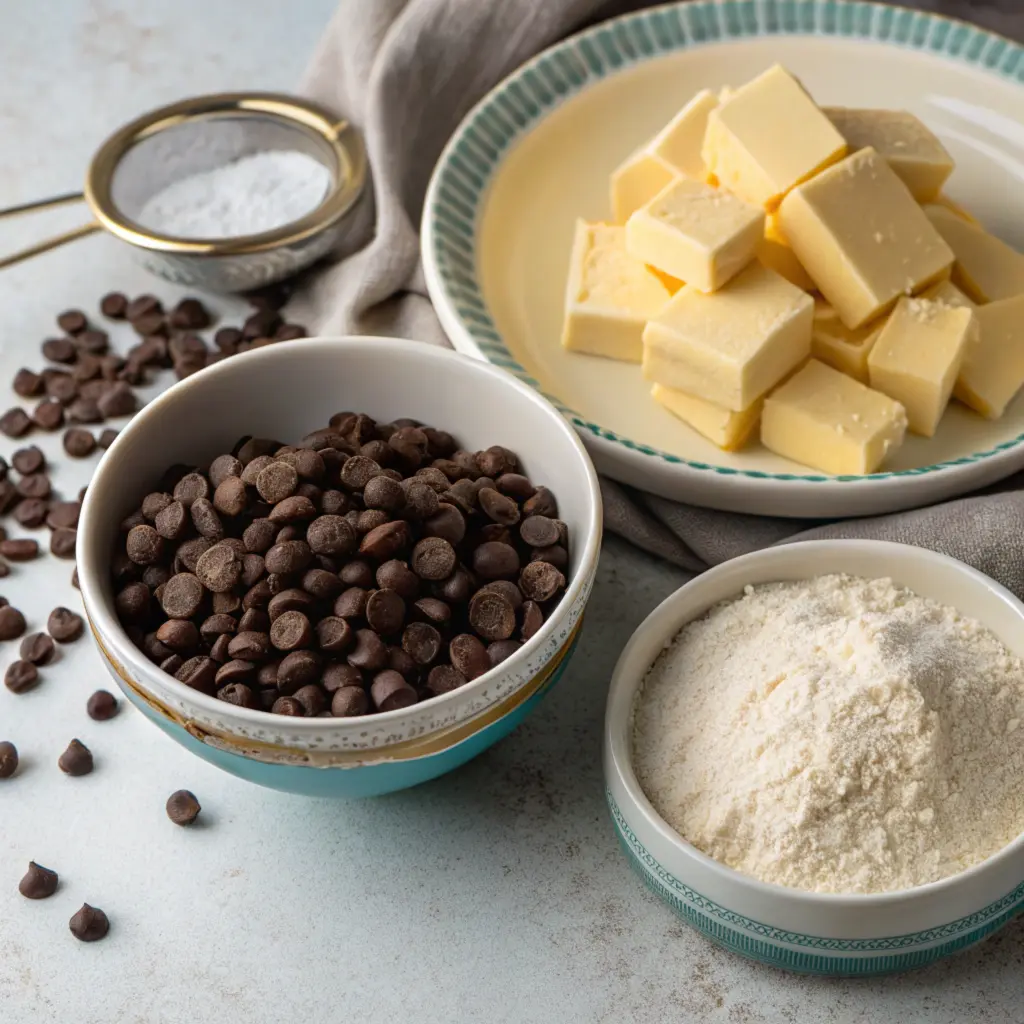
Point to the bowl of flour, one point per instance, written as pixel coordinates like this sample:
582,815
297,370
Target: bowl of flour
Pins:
814,754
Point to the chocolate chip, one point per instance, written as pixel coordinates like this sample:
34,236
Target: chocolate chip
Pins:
444,679
21,676
119,400
36,485
20,549
182,807
469,655
206,520
290,631
312,698
182,596
114,305
288,706
31,513
494,560
385,612
60,350
76,760
38,882
63,515
38,648
8,759
539,581
433,558
369,653
107,438
502,650
48,414
144,545
250,645
236,693
29,460
422,642
386,541
102,706
198,673
390,691
15,422
89,924
492,616
532,619
79,443
542,503
448,524
180,635
539,531
290,557
349,702
27,384
219,568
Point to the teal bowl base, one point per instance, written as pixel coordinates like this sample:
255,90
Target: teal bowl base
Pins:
358,780
816,955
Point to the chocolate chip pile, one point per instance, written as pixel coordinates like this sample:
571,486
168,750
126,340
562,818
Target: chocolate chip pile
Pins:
369,567
88,384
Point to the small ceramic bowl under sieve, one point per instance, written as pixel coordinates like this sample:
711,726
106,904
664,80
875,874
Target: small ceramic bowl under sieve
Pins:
200,134
816,933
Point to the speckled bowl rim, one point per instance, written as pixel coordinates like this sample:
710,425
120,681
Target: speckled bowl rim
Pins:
103,618
619,761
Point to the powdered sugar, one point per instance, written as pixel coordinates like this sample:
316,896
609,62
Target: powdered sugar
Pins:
254,194
836,735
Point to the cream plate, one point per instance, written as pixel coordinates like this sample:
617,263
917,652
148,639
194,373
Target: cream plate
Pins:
536,153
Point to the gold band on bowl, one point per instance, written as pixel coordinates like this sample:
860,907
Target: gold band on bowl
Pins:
402,750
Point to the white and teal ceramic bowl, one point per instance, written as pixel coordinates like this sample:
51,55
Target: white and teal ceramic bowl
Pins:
802,931
284,391
536,153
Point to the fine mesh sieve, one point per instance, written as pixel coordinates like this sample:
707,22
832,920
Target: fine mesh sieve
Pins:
186,138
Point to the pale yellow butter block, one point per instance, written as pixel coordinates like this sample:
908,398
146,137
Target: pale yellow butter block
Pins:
775,252
841,347
696,233
955,207
728,429
911,149
917,357
824,419
993,368
609,296
948,294
986,268
732,346
637,180
679,142
767,137
862,238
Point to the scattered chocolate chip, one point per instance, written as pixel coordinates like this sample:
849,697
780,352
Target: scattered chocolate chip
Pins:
102,706
38,882
37,648
21,676
21,549
182,807
79,443
8,759
64,625
76,760
15,422
89,924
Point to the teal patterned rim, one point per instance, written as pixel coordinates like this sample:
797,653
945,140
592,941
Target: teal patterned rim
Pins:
455,199
775,946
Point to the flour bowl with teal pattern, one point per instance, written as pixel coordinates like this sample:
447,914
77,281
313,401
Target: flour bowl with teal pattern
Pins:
809,932
285,391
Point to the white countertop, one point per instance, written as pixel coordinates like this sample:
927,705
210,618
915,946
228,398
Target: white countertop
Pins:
495,894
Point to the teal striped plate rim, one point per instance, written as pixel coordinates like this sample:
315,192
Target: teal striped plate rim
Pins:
734,929
455,199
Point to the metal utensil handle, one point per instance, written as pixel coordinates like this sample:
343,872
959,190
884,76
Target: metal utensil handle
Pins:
49,243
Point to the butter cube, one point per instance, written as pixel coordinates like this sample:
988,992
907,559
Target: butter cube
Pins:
679,142
910,149
609,297
824,419
675,150
948,294
767,137
775,252
993,368
732,346
917,357
986,268
723,427
955,207
637,181
696,233
862,238
840,347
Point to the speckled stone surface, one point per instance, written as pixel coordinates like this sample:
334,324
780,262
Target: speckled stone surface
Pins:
497,894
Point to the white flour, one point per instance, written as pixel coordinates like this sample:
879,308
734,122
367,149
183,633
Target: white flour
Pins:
838,735
256,193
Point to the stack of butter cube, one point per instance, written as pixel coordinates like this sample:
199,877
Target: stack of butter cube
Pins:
782,267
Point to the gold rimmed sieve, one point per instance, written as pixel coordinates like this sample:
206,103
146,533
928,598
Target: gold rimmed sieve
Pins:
201,134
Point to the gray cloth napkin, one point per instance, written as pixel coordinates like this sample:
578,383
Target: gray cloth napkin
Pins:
405,72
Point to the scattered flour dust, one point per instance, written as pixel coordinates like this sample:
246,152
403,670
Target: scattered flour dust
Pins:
836,735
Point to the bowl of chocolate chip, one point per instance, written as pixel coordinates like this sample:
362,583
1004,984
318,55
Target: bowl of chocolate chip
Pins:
343,566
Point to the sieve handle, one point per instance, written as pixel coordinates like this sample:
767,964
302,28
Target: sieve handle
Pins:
50,243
